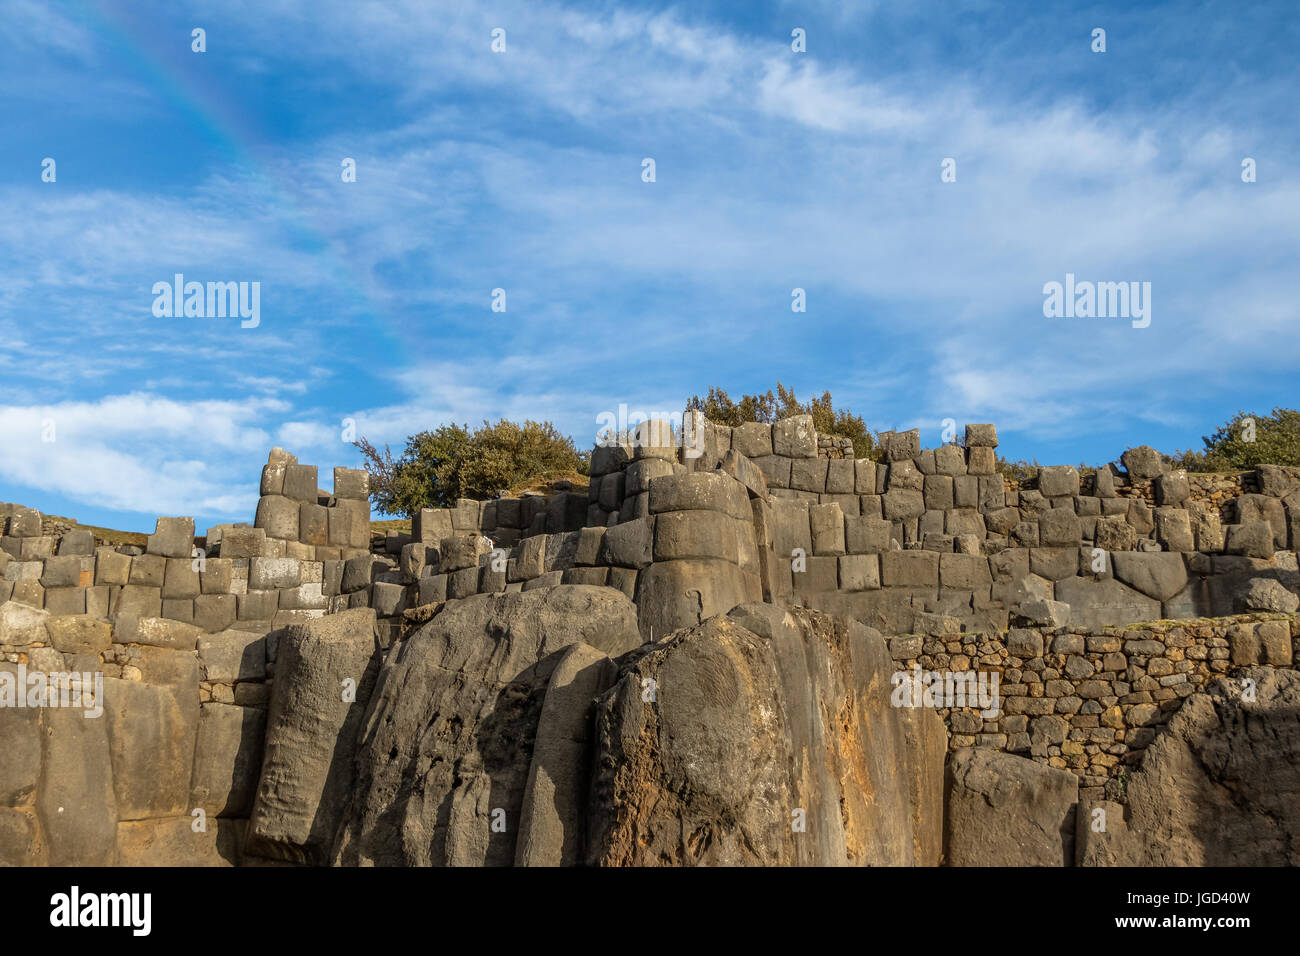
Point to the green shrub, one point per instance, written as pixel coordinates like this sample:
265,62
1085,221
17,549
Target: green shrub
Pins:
452,462
718,407
1230,448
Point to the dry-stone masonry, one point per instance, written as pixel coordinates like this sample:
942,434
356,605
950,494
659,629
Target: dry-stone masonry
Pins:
697,661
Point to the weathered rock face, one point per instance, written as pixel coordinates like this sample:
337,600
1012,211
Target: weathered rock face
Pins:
324,675
449,741
1004,810
1219,786
764,737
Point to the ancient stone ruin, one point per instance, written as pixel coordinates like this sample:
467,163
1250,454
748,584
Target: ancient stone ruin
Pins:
748,648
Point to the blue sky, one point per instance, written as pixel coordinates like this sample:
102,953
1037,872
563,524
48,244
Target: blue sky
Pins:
521,170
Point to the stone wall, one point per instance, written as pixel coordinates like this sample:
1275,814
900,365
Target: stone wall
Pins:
166,773
257,577
1039,582
1089,700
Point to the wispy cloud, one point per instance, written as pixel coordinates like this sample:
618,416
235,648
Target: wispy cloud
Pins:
522,171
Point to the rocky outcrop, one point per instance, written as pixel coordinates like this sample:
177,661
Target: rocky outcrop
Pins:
324,676
504,732
764,737
1219,786
1004,810
448,748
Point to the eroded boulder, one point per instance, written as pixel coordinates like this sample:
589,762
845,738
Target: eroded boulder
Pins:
764,737
1219,785
448,743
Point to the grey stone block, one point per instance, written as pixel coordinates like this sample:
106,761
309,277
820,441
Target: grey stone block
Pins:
351,483
172,538
243,543
215,612
629,545
268,574
795,437
1055,481
1143,462
77,541
809,474
277,515
300,483
257,605
867,535
752,439
180,580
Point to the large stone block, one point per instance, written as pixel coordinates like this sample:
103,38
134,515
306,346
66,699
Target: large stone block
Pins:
1250,508
227,758
1253,540
269,574
809,474
967,572
901,504
151,734
25,523
277,516
61,572
112,567
79,634
300,483
148,570
859,572
136,601
1142,462
950,460
1059,528
938,492
181,579
867,535
795,437
700,491
753,439
21,735
901,446
673,594
909,569
981,436
455,720
351,483
864,476
1004,810
313,523
243,542
172,538
75,800
1172,489
311,733
230,656
692,534
1055,481
1174,529
630,544
1105,602
751,713
553,817
827,525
